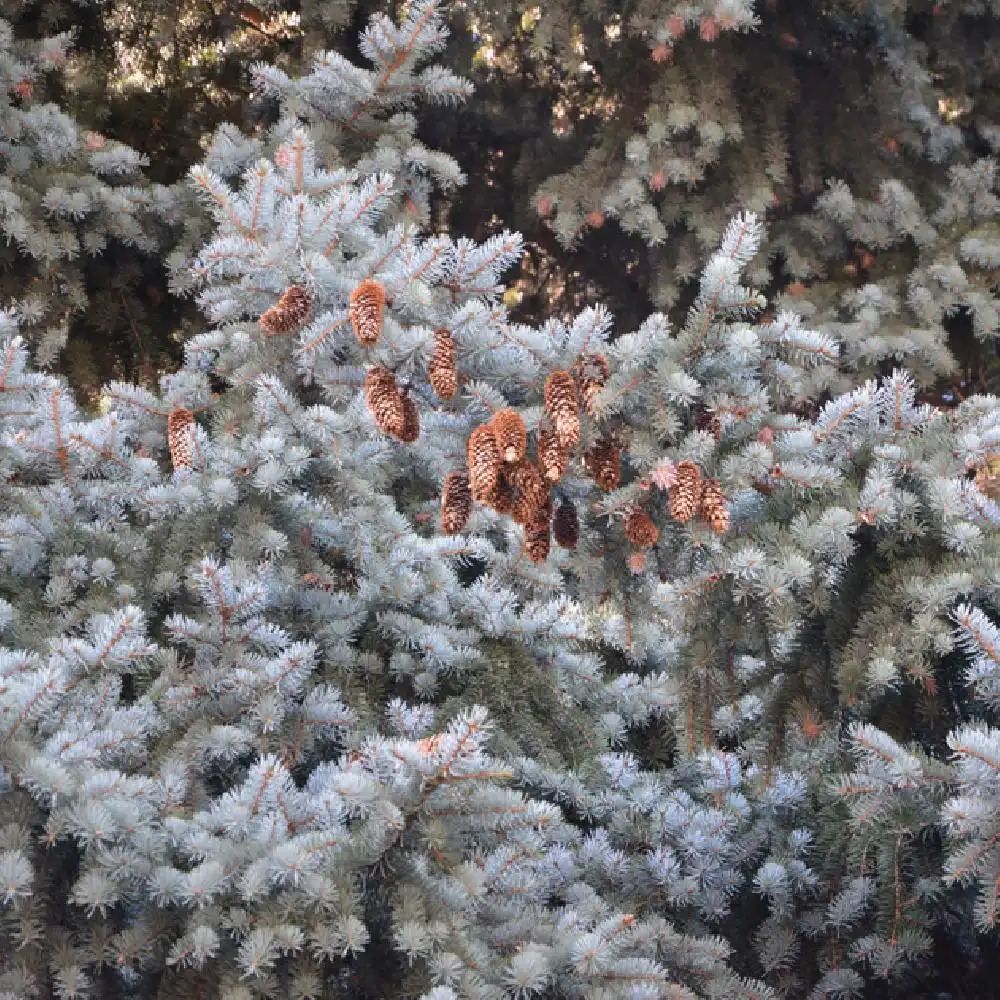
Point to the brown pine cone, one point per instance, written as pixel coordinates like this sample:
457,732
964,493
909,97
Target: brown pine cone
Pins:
385,401
604,463
512,438
367,311
705,419
456,502
501,498
988,476
684,496
531,493
566,525
561,402
410,430
591,374
640,529
180,437
714,507
288,314
988,483
537,534
441,370
483,457
553,458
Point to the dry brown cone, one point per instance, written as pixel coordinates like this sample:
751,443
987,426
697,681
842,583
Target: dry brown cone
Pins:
367,311
287,314
456,502
410,430
512,438
988,484
705,419
566,525
604,463
429,744
180,437
441,370
553,458
988,477
592,375
531,493
483,458
561,402
501,498
640,529
684,497
537,534
385,401
714,508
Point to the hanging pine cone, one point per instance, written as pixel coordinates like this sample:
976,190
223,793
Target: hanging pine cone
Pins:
456,502
501,497
988,483
537,534
410,430
591,374
180,437
566,525
441,370
640,529
714,508
367,311
531,493
483,457
604,463
988,477
684,496
561,402
705,419
287,314
385,401
511,436
553,458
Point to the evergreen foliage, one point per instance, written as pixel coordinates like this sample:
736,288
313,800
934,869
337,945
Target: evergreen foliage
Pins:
72,210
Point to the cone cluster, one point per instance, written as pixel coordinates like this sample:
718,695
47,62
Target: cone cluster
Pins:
502,476
287,314
180,437
691,494
684,496
499,472
366,310
441,370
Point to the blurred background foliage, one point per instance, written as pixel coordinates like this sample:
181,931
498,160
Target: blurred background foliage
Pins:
561,139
